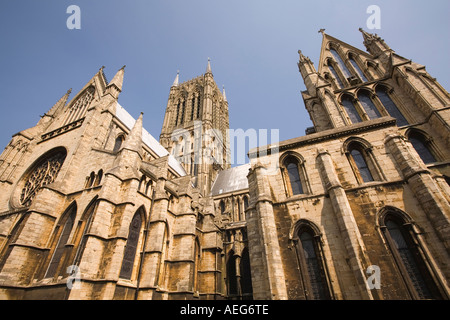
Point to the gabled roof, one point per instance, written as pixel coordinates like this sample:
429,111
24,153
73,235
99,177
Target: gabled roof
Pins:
327,39
230,180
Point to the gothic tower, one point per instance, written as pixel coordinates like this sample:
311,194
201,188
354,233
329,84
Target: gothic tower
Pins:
367,188
195,128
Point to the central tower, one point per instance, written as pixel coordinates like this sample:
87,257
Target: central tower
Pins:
195,128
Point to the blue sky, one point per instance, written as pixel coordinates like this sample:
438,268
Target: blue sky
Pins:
252,44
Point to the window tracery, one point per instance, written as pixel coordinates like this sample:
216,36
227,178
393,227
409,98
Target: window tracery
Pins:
43,174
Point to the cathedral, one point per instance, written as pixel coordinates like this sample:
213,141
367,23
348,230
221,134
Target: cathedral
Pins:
93,207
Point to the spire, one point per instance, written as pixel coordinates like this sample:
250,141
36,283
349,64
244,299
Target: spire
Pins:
374,44
60,103
208,67
223,94
114,87
177,78
118,79
127,162
134,139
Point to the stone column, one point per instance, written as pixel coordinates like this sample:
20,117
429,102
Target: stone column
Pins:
265,256
424,187
358,260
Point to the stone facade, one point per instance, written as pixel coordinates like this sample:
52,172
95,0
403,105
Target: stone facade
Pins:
358,208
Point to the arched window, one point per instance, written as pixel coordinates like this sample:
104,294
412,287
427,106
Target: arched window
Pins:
246,276
118,143
245,203
359,159
80,106
141,183
362,160
291,169
311,261
231,275
148,187
99,178
222,207
129,255
183,110
368,105
192,107
390,106
340,63
81,236
335,75
400,236
178,113
91,179
60,240
422,146
44,172
358,69
350,108
198,106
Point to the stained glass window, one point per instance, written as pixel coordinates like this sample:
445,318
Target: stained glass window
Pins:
358,70
131,247
335,75
361,163
407,254
390,107
368,105
292,168
63,238
44,173
422,149
340,63
79,108
351,110
314,270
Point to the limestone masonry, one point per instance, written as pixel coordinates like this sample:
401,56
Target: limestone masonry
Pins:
94,207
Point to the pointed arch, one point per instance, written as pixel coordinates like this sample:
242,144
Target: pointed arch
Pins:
348,102
359,153
118,142
340,62
399,233
80,105
364,97
310,257
232,285
352,58
82,231
60,239
246,275
383,95
294,174
423,145
42,172
133,239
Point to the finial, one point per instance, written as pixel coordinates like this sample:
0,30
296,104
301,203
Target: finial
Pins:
69,91
123,67
322,31
175,82
208,68
223,94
